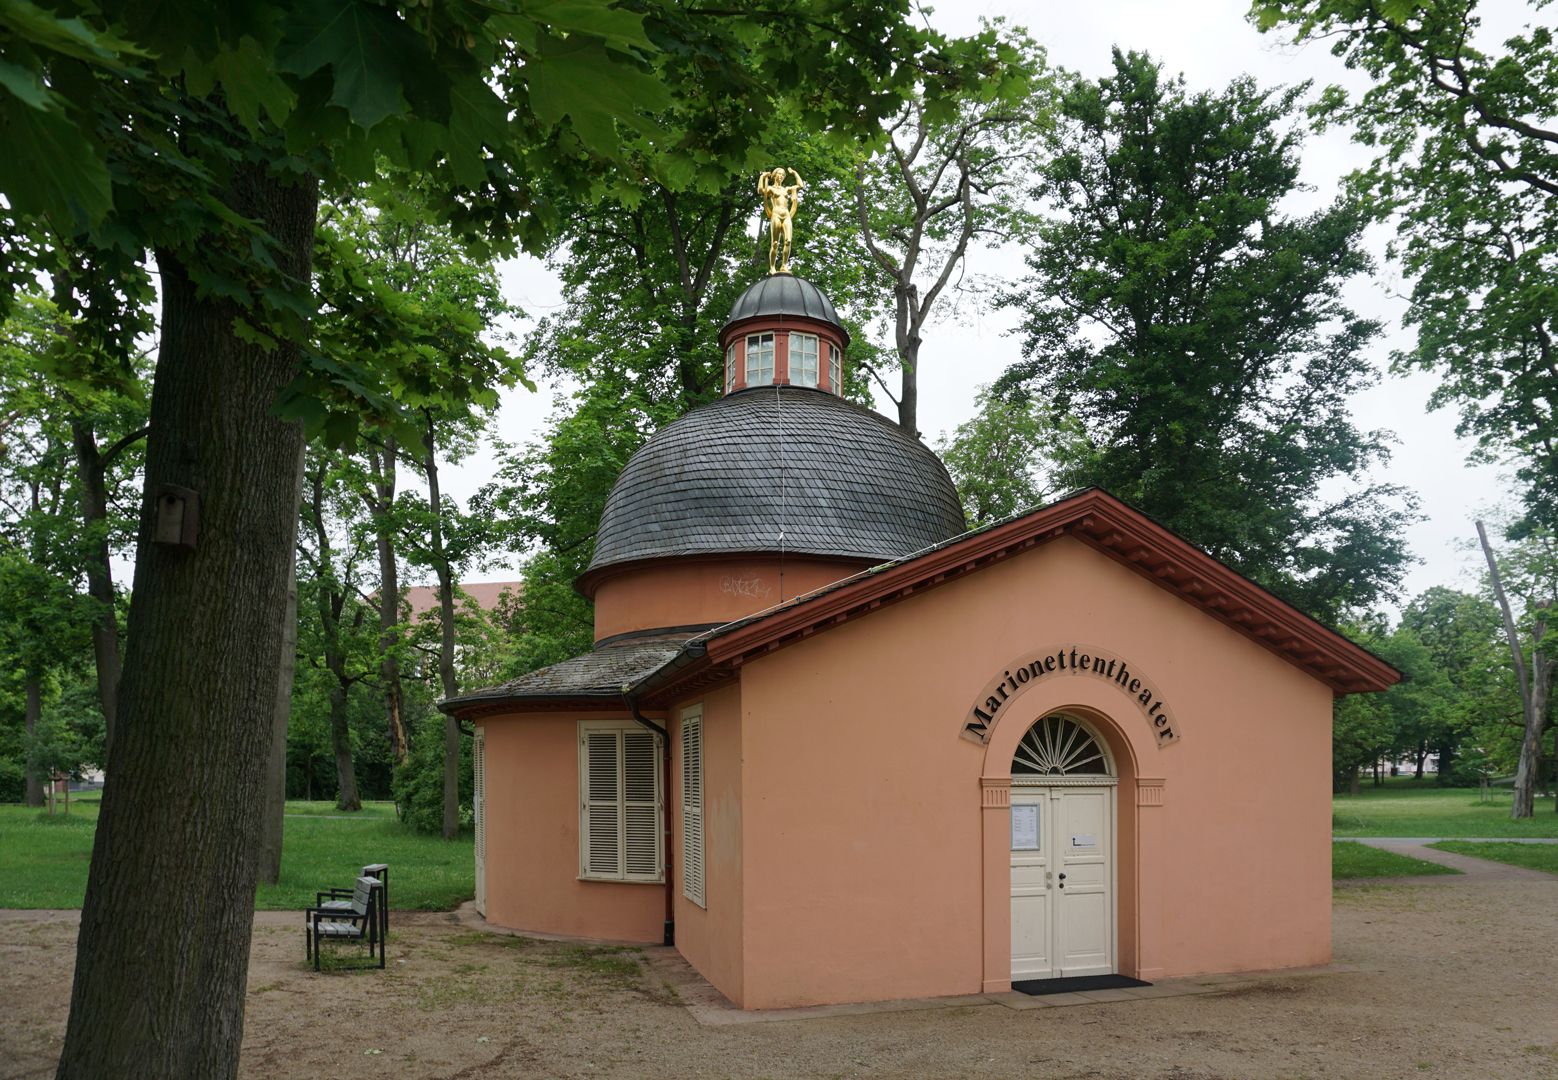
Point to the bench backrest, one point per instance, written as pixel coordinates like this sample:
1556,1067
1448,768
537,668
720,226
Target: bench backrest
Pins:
362,895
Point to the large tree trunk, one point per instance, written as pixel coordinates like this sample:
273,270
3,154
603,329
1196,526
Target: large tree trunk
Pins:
268,854
331,598
163,950
446,674
381,504
909,387
100,578
1534,680
33,711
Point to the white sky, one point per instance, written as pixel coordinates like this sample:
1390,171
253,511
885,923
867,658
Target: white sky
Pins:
1211,43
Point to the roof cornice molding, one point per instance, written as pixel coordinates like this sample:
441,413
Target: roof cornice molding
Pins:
1110,527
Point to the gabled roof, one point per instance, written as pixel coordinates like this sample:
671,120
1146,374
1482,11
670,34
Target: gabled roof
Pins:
1092,517
1095,518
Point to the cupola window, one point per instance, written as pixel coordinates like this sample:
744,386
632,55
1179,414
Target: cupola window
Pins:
760,359
835,370
803,359
730,367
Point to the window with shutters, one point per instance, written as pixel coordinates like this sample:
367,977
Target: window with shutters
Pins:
835,369
620,823
730,367
692,805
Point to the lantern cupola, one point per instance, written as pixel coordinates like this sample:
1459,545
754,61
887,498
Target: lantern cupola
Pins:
783,332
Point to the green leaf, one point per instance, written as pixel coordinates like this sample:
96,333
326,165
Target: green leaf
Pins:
612,25
52,166
579,79
367,48
251,84
26,86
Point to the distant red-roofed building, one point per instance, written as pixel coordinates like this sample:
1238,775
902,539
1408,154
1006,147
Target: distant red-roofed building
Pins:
424,598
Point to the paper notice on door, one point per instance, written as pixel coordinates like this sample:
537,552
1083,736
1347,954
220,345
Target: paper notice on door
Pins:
1025,828
1084,841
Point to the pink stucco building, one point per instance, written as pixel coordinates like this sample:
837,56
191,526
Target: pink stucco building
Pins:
837,749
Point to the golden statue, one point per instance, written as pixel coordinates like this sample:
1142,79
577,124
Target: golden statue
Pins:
780,201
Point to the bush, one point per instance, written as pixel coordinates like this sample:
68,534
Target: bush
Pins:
13,781
419,783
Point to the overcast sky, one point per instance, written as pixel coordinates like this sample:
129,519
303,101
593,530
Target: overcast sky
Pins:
1211,43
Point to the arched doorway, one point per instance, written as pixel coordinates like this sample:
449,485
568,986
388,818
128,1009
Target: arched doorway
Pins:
1063,851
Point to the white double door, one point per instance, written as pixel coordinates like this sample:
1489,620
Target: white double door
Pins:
1062,881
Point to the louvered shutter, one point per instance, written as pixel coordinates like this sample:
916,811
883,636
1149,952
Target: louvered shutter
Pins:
601,825
641,804
479,769
692,807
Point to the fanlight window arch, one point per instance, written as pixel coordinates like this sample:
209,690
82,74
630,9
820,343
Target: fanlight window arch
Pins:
1059,746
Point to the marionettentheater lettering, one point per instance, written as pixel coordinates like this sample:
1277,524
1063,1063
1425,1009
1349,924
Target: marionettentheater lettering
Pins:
1070,660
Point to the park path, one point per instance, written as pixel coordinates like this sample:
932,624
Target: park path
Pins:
1472,869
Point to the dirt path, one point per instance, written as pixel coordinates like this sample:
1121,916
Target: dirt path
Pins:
1446,982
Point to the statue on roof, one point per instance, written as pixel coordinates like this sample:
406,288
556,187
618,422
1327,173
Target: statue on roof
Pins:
780,201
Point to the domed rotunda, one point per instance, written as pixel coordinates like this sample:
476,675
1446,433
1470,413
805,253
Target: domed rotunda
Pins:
833,748
777,488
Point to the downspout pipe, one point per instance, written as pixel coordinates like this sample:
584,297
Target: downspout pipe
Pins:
665,741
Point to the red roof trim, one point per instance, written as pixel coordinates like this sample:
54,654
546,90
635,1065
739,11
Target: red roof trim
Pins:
1112,528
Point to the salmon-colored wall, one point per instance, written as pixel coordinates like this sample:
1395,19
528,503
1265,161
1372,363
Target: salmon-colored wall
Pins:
707,591
710,936
870,868
532,807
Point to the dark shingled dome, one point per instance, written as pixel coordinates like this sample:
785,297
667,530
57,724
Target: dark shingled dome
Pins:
852,484
784,294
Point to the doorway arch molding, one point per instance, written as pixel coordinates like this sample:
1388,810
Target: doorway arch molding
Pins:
1140,825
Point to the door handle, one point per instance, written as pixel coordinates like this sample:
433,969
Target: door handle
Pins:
1062,880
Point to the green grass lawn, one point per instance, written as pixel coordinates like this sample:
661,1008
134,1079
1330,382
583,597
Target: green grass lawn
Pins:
43,861
1532,856
1353,860
1420,808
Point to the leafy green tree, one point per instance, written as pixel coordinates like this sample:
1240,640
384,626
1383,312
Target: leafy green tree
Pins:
1462,635
999,458
1467,168
1200,336
206,138
332,633
952,174
1525,586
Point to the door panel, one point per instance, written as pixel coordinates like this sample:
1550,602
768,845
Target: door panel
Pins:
1062,926
1031,908
1082,919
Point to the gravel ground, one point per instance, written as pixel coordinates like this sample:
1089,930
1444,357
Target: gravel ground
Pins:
1451,980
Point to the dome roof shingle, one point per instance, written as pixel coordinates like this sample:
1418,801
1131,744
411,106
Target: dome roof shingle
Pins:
834,478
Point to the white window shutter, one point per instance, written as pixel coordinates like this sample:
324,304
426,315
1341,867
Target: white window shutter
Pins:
692,807
641,804
601,825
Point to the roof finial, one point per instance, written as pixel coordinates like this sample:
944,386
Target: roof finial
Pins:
780,201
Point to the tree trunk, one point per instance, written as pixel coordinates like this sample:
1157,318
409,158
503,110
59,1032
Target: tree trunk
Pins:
163,950
274,814
346,796
909,393
1355,787
34,712
100,578
1534,685
446,641
382,503
331,600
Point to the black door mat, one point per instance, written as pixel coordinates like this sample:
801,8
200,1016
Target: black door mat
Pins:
1039,987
